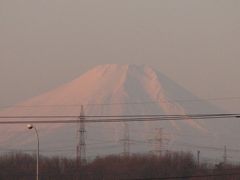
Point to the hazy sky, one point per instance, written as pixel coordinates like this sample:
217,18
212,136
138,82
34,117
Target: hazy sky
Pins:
44,43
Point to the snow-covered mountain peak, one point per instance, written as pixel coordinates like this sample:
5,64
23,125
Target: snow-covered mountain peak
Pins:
114,89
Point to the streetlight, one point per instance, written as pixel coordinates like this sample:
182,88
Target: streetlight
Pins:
30,126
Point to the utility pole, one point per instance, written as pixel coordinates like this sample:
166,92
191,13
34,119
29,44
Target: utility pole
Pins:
81,146
198,158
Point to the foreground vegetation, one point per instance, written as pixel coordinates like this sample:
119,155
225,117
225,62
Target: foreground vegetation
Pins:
18,166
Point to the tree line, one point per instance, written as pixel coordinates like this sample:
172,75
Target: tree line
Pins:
178,165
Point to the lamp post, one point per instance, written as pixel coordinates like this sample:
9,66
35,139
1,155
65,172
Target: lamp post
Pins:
30,126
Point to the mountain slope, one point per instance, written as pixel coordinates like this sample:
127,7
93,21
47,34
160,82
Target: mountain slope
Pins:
119,90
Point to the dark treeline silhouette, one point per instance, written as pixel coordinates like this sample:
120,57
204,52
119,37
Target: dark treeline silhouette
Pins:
19,166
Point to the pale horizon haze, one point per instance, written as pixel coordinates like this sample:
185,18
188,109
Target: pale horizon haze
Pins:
46,43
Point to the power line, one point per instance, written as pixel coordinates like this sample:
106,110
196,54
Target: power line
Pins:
178,143
98,119
57,149
122,103
121,116
184,144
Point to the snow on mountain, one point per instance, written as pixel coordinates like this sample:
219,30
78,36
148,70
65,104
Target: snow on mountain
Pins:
119,90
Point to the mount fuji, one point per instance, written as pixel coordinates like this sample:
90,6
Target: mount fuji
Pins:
115,90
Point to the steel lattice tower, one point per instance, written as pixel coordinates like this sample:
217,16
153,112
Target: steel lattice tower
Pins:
160,141
126,140
81,146
225,155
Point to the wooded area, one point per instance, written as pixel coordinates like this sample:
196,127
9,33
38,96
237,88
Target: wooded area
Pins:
19,166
